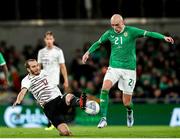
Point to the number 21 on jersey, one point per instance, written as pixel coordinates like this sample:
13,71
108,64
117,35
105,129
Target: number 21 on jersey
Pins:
118,40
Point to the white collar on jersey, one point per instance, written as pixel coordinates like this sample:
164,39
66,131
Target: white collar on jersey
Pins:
49,48
121,30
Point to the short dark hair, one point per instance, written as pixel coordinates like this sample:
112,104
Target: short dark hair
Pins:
27,62
48,33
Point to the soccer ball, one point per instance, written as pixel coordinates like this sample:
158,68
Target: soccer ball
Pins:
92,107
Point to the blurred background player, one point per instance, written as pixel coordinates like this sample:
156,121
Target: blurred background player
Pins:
5,71
48,95
51,58
122,63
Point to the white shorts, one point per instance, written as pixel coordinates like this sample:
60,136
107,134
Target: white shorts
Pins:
126,79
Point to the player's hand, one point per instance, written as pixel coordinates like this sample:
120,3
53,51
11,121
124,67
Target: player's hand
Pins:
169,39
85,57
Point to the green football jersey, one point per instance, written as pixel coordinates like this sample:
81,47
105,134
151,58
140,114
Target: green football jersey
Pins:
123,50
2,61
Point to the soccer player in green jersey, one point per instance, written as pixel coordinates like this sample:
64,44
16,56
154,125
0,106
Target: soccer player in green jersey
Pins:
5,70
122,63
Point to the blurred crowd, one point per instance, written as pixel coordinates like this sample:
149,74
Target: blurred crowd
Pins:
158,76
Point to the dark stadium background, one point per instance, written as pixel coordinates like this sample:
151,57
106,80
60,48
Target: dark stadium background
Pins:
75,9
24,22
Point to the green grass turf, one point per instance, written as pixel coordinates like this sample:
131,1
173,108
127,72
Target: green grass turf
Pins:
94,132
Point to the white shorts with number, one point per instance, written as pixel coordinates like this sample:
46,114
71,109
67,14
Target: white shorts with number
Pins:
126,79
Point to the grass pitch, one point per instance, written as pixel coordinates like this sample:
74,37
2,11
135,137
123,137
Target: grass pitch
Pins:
94,132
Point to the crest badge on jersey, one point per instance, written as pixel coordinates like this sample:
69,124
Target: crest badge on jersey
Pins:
125,34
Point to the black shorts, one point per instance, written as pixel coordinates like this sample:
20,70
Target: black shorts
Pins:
56,109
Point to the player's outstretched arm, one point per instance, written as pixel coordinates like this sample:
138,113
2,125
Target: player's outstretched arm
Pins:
159,36
95,46
169,39
20,96
85,57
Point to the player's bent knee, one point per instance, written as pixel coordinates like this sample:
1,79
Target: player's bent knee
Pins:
126,103
65,133
64,130
107,84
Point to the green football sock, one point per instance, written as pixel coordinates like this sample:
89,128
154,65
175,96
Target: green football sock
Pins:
130,107
104,100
